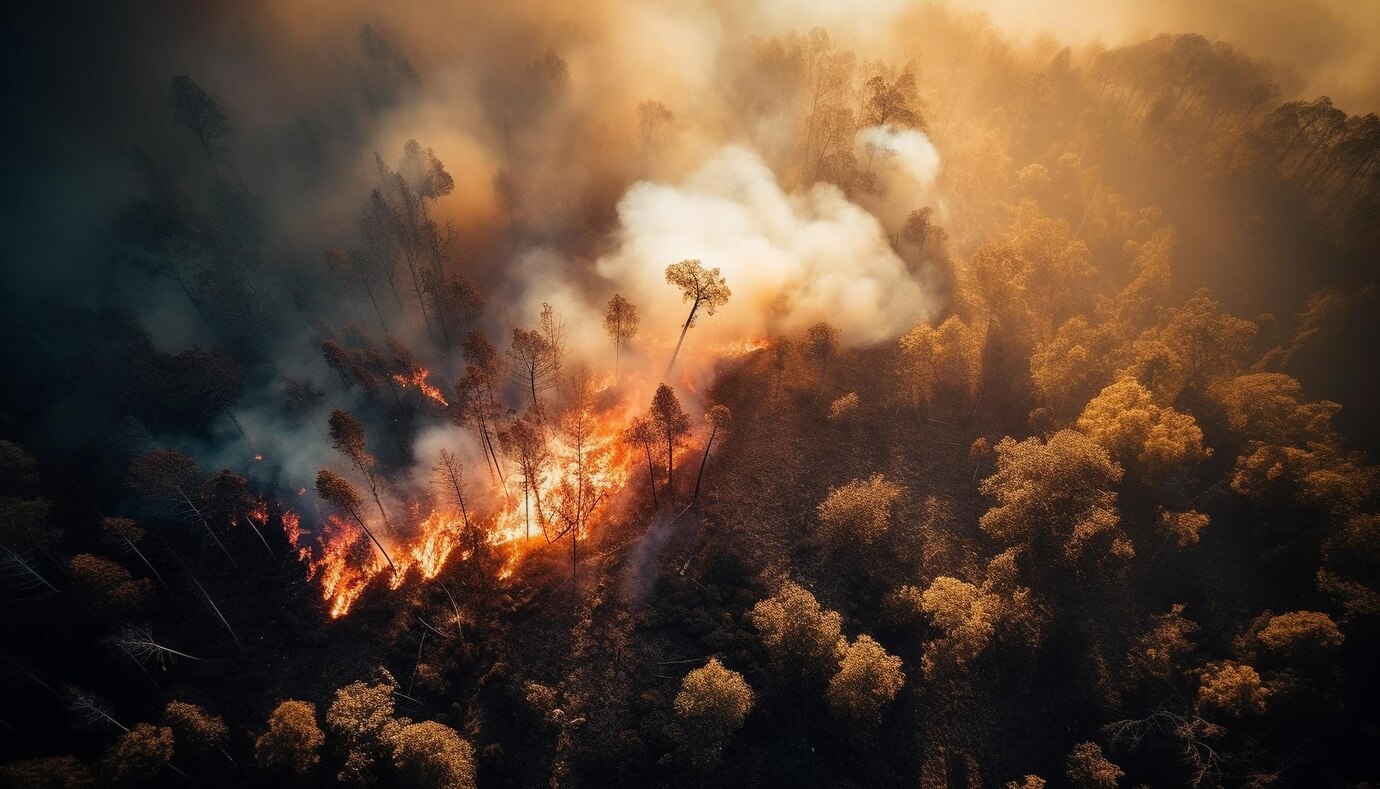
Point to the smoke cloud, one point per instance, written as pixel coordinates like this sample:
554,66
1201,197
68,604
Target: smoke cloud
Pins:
792,259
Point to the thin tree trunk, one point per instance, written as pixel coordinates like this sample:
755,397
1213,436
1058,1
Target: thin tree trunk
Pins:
651,476
683,330
704,459
377,544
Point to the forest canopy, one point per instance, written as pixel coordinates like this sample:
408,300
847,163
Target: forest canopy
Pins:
690,394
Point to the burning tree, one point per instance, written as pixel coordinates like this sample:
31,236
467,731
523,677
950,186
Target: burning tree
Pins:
534,362
702,288
577,494
449,477
477,405
347,436
525,443
338,491
620,321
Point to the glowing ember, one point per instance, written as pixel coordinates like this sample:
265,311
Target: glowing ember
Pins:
419,379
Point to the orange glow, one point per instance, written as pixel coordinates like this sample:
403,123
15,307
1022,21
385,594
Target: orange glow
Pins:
419,379
341,558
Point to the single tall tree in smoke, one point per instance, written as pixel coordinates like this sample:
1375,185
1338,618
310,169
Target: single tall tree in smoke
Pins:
703,288
620,321
671,426
347,436
336,490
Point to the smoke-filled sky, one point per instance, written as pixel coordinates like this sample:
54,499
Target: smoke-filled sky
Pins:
562,194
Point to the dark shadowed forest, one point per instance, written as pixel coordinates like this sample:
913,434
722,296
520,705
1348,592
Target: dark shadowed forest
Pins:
690,393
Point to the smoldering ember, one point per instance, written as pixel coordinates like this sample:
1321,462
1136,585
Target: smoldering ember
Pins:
760,393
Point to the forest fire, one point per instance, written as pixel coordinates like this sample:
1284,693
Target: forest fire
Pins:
418,378
587,464
691,393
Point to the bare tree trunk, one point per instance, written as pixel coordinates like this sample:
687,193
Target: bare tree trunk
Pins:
683,330
704,459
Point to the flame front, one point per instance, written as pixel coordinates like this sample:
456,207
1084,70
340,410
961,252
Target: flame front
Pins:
419,379
573,496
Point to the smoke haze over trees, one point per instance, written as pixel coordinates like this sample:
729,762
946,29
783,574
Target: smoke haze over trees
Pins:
692,393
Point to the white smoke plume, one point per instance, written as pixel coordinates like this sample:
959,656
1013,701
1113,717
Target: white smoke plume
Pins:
790,259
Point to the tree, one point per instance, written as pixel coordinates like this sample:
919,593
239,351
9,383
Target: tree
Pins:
1231,688
892,103
822,345
920,229
50,772
533,362
577,494
1127,422
1351,566
347,437
856,515
337,491
620,321
712,704
141,647
477,404
652,117
1304,636
195,728
671,425
641,435
139,755
107,585
192,107
292,740
867,680
718,418
966,614
1087,768
430,754
703,288
449,477
1056,497
1159,651
172,479
361,715
803,640
943,359
525,443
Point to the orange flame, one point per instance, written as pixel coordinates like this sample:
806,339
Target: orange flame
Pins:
574,494
419,379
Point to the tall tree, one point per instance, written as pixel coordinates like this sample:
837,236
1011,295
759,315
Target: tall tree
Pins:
620,321
641,435
338,491
449,477
525,443
348,438
718,418
671,425
703,288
